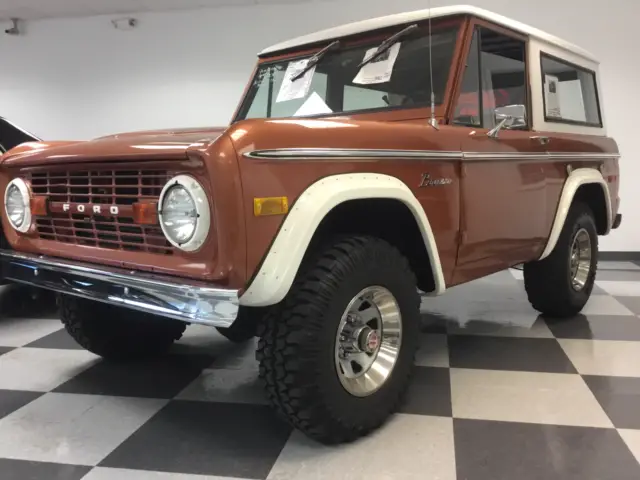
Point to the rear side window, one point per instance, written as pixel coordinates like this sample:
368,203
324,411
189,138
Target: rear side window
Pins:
570,93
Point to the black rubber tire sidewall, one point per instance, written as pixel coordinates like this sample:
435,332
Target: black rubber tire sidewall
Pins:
548,282
362,410
297,345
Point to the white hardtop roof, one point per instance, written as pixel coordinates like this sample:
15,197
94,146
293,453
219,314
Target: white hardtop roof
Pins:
419,15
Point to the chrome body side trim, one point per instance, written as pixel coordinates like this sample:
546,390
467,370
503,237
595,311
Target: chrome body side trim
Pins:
328,153
177,298
284,154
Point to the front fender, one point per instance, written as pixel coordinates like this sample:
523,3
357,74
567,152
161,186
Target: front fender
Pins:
281,264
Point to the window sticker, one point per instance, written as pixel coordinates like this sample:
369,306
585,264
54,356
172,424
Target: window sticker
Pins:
314,105
380,69
294,90
551,91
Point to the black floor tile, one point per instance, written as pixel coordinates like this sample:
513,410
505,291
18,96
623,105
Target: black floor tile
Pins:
60,340
507,353
597,327
429,393
24,470
205,438
619,397
432,323
21,301
507,451
4,350
163,377
12,400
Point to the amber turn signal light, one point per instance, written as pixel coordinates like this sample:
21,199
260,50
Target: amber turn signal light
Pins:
39,206
145,213
270,206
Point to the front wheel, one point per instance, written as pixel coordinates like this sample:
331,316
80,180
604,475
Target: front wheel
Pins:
560,285
116,333
337,355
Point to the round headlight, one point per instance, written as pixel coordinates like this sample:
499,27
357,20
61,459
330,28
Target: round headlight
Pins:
184,213
16,205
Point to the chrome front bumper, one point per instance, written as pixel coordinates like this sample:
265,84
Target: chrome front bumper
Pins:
181,299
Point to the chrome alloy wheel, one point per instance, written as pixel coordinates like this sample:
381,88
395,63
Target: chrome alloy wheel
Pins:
368,341
580,261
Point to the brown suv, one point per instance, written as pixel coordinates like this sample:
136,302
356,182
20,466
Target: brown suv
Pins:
367,165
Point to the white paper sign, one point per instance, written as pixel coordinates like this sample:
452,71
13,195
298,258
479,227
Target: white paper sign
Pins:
314,105
380,69
293,90
552,101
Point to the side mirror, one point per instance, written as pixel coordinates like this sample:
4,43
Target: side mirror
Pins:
509,117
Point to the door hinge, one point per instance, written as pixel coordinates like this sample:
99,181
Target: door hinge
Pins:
462,237
463,170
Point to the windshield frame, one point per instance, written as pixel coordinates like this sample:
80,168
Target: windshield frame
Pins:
368,39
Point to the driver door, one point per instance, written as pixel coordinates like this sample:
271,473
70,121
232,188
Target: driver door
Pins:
502,173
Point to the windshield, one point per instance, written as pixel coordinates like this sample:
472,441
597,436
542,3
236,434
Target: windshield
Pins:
397,78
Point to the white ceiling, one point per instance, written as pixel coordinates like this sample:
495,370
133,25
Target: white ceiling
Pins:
38,9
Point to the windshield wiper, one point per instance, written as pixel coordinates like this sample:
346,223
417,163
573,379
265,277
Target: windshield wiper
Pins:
387,44
313,61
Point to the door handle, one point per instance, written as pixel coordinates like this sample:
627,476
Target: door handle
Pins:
542,140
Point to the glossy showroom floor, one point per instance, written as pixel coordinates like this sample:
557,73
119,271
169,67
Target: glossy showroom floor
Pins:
499,395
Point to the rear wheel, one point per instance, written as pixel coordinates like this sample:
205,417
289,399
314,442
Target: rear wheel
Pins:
337,356
561,284
117,333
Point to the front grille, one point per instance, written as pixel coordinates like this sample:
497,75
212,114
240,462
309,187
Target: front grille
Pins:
101,187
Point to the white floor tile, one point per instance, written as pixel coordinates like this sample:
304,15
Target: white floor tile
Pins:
620,289
520,325
604,357
516,273
548,398
16,332
605,265
632,439
101,473
75,429
42,369
408,447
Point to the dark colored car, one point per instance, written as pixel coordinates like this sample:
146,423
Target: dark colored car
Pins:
12,135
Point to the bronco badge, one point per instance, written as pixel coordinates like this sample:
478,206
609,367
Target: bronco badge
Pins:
427,181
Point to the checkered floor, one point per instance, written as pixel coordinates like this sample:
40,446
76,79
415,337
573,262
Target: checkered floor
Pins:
499,393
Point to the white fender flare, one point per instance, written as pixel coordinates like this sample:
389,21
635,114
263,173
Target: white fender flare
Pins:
577,178
280,266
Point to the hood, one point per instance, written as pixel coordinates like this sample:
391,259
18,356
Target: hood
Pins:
151,144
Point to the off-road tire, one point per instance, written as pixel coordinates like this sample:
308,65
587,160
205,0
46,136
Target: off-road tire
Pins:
297,345
548,282
245,327
116,333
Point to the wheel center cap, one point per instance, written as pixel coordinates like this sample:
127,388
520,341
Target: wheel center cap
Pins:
370,341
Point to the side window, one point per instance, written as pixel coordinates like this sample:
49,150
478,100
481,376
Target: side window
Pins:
495,76
570,93
502,71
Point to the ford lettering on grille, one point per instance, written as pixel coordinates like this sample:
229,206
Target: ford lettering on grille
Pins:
96,209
